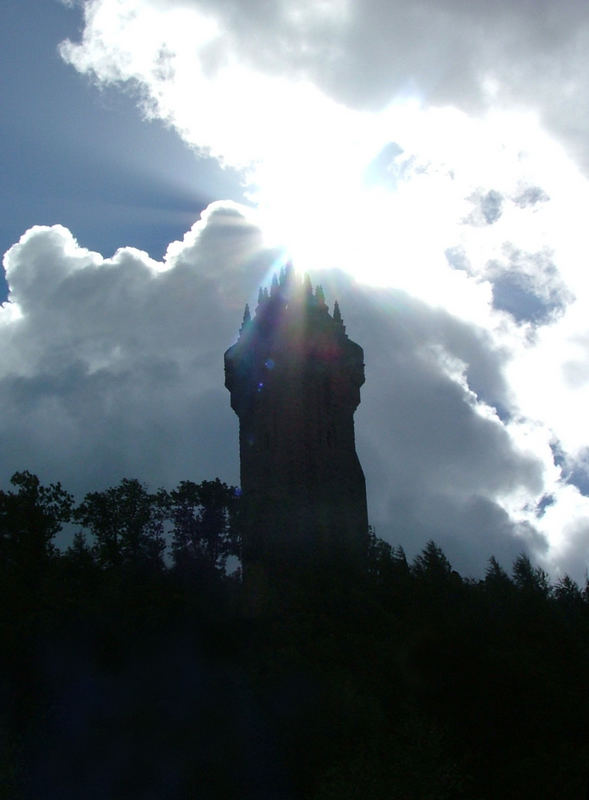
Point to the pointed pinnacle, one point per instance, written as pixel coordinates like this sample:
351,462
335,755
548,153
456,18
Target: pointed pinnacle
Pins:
246,318
320,297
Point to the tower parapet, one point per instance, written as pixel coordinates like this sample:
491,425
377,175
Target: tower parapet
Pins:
294,378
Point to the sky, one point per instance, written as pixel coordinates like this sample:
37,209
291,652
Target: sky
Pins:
426,161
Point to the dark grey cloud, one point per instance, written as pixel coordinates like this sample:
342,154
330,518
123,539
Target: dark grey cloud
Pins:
365,50
469,531
116,369
366,53
433,463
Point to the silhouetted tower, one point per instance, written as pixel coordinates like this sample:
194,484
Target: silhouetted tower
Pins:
295,378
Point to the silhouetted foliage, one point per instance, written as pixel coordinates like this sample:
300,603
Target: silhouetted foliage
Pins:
386,562
80,554
204,529
127,524
496,576
132,665
431,564
531,580
29,520
568,594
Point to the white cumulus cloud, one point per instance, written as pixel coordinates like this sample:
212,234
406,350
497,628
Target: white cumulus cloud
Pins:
435,153
113,367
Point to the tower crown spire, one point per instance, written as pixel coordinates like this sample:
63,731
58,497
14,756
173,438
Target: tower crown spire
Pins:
289,297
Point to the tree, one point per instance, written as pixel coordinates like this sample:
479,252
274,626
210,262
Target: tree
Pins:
204,525
29,520
495,572
387,565
127,523
568,595
80,552
431,564
496,578
528,579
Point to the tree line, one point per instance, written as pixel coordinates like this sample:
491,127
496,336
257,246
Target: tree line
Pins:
133,663
124,526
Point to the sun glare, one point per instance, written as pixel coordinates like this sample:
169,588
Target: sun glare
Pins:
394,229
306,158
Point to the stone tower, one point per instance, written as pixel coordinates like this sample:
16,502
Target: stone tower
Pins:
295,378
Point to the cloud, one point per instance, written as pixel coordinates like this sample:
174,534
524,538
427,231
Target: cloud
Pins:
363,55
114,367
371,122
437,458
113,363
528,286
530,196
487,209
410,144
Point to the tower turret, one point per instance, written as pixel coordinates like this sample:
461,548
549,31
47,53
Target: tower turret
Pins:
295,378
